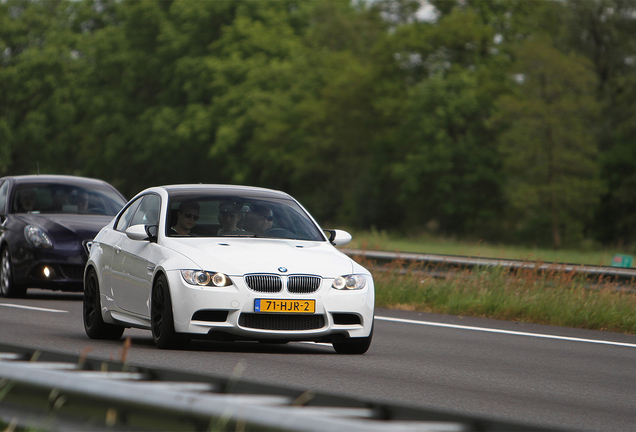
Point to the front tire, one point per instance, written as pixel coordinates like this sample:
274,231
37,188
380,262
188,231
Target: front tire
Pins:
162,318
353,345
94,324
8,288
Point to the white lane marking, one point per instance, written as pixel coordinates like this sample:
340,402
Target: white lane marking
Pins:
489,330
32,308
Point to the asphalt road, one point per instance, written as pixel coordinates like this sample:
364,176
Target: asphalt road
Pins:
542,375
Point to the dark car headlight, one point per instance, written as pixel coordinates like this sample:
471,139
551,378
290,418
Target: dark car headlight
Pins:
206,278
37,237
349,282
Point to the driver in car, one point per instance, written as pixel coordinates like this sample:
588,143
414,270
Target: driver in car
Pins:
259,220
187,217
81,200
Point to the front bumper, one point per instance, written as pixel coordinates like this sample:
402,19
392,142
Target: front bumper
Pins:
55,269
228,312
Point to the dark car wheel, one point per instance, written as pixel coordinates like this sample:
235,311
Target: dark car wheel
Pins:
162,319
354,345
94,324
8,288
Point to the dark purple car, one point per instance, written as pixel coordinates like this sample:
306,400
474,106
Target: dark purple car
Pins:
47,223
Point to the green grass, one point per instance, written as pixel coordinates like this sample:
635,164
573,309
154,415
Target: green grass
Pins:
541,297
375,240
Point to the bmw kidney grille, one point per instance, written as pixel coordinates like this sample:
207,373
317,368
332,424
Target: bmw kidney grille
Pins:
297,284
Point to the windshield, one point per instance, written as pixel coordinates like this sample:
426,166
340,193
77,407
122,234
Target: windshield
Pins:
64,198
203,215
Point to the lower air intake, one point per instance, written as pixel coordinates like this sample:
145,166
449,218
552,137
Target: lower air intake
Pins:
346,319
210,315
281,322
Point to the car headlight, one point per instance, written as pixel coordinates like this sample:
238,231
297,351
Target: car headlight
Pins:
349,282
37,237
206,278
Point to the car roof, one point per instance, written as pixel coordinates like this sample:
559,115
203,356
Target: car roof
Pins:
221,189
48,178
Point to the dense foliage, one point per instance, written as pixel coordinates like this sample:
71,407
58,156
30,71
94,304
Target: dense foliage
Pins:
504,120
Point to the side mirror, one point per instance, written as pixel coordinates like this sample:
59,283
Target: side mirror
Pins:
338,237
152,230
142,232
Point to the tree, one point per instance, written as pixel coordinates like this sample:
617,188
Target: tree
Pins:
38,67
605,32
444,158
549,147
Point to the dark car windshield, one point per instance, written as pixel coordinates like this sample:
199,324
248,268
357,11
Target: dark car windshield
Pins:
204,215
93,199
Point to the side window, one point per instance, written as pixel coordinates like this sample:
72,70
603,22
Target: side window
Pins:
148,211
126,216
4,189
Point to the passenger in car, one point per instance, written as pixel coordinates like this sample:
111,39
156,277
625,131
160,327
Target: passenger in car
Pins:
187,217
229,217
26,201
259,220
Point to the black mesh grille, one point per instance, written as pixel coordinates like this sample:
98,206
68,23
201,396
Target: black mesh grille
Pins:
281,322
303,284
264,283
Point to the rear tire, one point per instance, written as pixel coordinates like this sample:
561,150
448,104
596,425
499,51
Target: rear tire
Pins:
94,324
162,318
354,345
8,288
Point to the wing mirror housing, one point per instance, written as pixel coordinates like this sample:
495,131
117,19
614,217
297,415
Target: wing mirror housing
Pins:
338,237
142,232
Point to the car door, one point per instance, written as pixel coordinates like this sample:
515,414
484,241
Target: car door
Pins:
109,244
134,261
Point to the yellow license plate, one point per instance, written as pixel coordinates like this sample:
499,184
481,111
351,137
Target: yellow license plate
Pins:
285,306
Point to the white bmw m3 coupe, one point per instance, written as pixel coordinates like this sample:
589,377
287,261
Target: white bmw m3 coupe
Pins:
225,263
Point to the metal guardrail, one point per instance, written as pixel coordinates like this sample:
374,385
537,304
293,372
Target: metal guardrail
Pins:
51,391
470,262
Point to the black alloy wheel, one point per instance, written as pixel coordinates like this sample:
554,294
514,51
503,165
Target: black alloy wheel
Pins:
354,345
162,318
94,324
8,288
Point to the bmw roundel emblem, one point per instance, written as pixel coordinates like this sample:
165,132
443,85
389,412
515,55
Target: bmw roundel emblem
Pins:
282,269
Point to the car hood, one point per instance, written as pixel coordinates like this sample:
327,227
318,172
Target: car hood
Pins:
243,256
62,225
